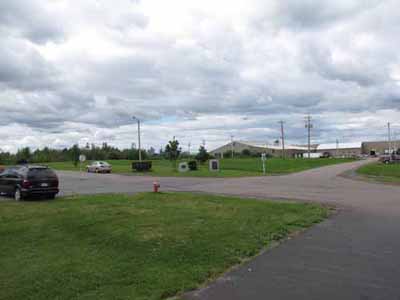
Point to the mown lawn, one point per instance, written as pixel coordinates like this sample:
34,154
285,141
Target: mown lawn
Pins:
382,172
147,246
229,167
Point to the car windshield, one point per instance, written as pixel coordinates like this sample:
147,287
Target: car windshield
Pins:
103,163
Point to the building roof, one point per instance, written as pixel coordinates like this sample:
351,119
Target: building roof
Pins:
317,147
266,146
380,142
271,146
339,146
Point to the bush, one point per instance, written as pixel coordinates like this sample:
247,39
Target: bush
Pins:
141,166
22,162
192,165
246,152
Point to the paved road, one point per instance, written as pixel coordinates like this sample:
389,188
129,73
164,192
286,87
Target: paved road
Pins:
353,255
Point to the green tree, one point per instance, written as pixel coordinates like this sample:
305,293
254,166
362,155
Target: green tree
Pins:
202,156
75,154
172,151
24,155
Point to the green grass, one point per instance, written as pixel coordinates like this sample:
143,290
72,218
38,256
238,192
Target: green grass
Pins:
147,246
381,172
229,167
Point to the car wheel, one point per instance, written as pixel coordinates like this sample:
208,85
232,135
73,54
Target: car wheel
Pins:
17,194
386,162
52,196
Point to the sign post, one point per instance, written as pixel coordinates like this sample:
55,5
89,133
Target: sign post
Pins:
263,159
82,158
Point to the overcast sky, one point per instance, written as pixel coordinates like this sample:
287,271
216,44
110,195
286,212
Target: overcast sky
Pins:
76,71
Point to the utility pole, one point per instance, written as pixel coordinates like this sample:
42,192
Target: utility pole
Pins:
232,145
204,143
337,147
283,138
189,148
395,141
389,138
309,126
139,149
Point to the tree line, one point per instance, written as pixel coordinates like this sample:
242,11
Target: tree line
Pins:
92,152
171,151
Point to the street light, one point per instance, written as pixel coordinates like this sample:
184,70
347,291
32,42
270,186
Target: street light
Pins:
138,124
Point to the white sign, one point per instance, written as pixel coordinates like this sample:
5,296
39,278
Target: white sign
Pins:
214,165
183,167
263,159
82,158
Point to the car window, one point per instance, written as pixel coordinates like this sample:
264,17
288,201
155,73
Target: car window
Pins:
37,173
12,175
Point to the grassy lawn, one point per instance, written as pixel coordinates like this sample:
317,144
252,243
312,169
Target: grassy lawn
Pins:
229,167
148,246
381,172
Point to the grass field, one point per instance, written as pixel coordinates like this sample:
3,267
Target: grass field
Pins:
381,172
148,246
229,167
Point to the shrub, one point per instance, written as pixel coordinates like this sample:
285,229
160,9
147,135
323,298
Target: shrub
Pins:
141,166
246,152
192,165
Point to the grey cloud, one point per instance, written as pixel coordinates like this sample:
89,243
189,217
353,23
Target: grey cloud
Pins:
45,110
285,69
128,20
313,15
364,70
23,68
30,19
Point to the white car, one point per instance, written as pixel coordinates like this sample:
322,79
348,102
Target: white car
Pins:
99,167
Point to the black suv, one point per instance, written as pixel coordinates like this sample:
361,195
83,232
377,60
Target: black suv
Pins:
25,181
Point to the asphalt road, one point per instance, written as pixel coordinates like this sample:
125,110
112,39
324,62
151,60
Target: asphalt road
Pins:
353,255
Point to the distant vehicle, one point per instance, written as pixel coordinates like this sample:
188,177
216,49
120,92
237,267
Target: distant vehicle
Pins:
313,155
99,167
25,181
390,158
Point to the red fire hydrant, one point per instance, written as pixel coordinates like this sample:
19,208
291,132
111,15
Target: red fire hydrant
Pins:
156,186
